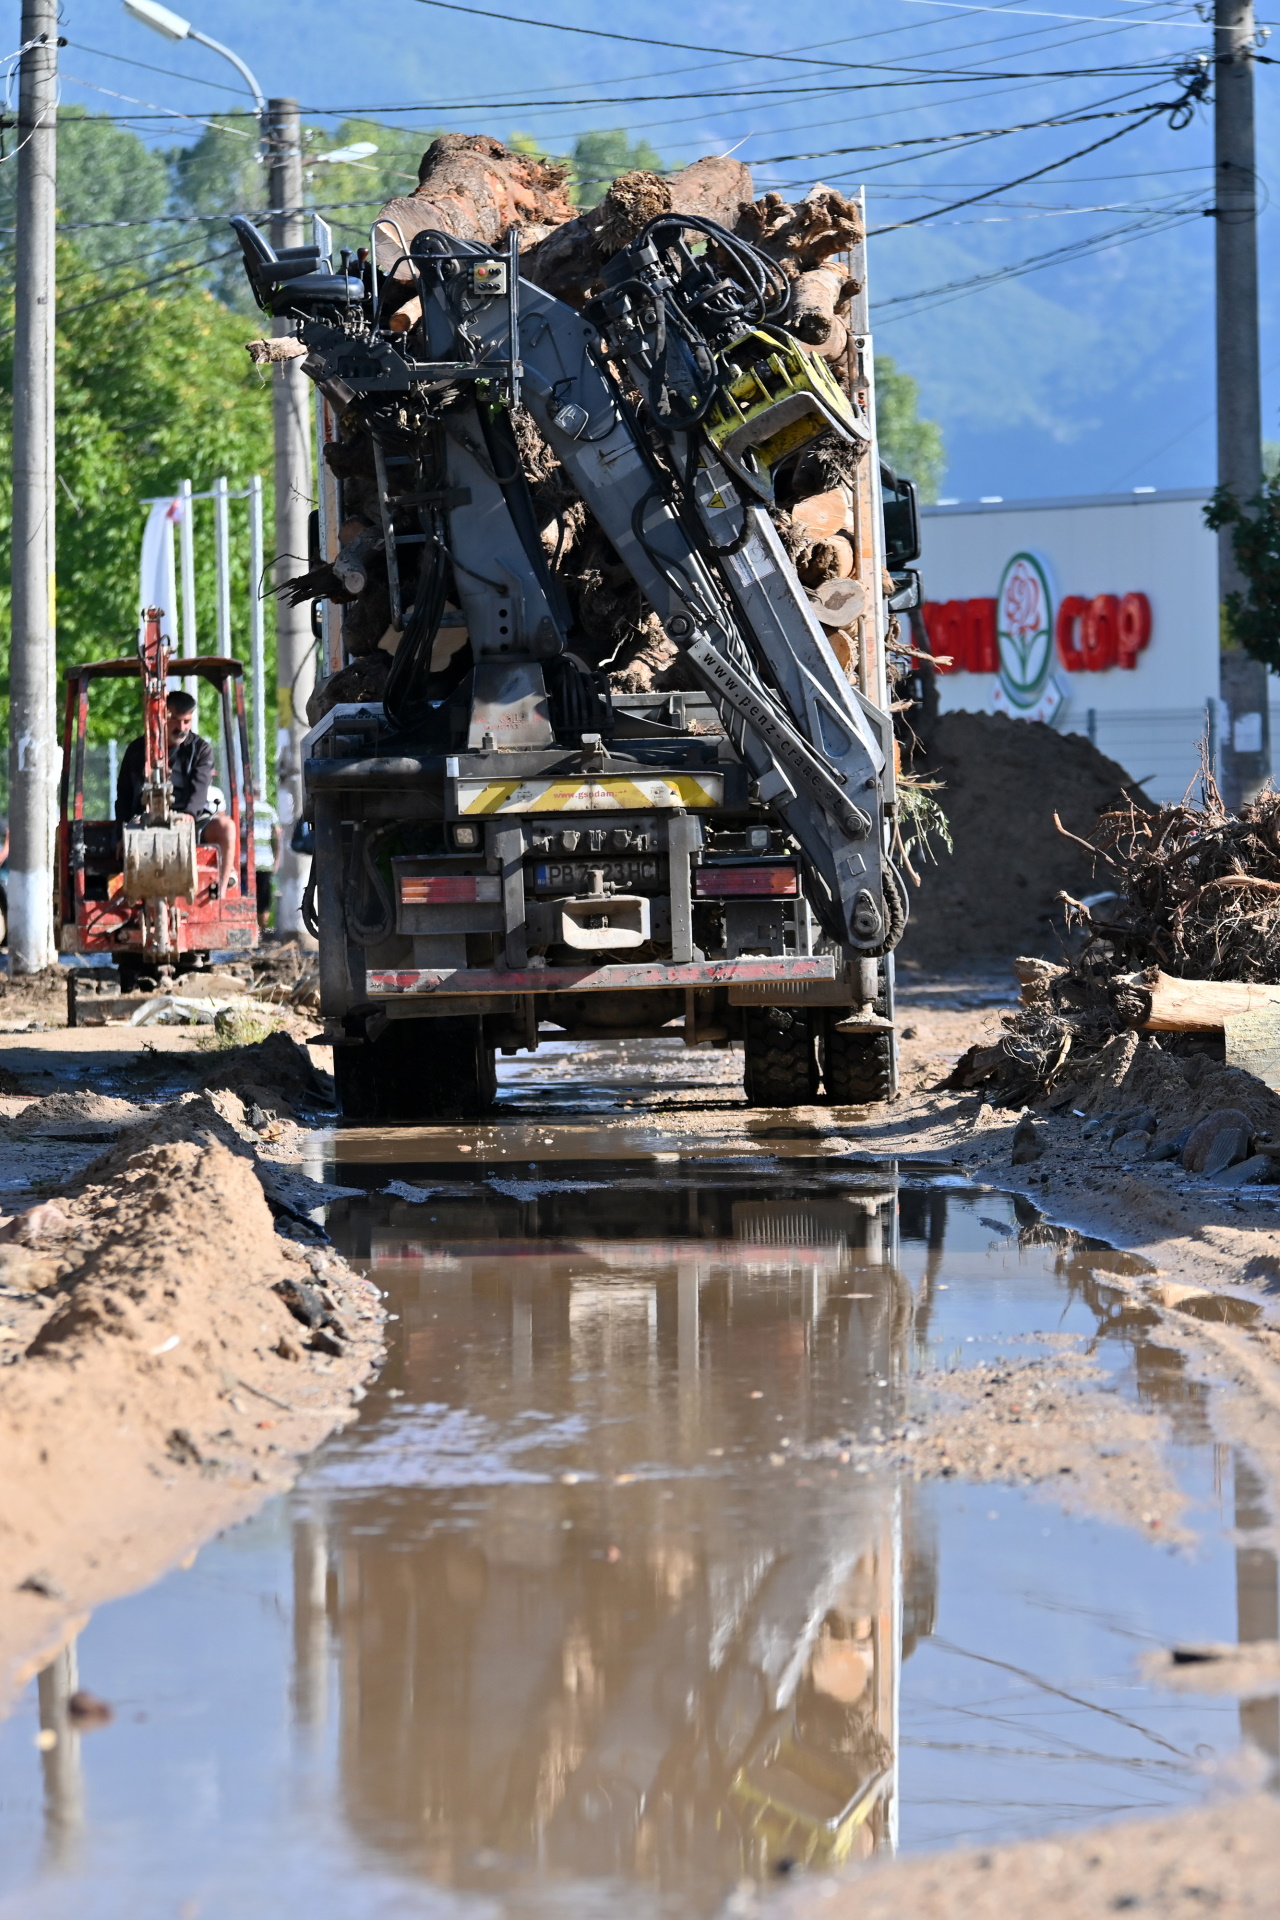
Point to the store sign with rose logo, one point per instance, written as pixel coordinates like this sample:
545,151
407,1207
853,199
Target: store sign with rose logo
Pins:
1028,688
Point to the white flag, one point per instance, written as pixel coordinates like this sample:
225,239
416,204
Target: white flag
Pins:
158,574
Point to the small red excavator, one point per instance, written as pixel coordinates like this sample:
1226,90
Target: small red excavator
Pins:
144,891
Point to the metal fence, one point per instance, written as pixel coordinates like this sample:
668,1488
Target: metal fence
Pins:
1160,750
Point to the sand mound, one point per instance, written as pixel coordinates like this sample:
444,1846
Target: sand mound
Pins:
276,1074
77,1116
164,1384
1002,782
194,1119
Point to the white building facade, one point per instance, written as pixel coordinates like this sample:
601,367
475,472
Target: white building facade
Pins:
1098,615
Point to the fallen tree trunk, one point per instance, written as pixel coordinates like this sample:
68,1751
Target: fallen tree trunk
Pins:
1162,1004
471,186
570,261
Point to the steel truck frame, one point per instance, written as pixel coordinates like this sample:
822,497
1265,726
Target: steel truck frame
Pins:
501,845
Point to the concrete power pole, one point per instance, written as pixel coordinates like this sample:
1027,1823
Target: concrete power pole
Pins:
1246,747
295,646
33,745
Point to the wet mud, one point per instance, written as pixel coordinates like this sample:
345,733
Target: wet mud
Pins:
632,1583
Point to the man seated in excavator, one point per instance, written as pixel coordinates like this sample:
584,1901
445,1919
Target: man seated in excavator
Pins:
191,770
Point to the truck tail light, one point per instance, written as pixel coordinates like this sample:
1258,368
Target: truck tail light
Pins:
745,883
448,889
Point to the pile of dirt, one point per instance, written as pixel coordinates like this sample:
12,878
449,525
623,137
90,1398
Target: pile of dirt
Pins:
276,1074
1002,782
163,1336
201,1119
73,1116
1218,1860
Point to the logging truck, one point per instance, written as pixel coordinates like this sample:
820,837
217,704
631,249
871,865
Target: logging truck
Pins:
514,839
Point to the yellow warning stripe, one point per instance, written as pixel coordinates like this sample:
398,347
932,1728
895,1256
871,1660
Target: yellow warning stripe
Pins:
613,794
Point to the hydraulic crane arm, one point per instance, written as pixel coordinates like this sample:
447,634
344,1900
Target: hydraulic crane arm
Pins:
666,403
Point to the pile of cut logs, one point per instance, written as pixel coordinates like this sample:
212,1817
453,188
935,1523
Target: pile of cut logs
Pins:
474,188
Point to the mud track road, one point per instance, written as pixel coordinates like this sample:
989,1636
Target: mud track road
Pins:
166,1384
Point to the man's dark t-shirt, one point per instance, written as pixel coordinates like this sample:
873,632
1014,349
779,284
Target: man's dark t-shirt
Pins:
191,770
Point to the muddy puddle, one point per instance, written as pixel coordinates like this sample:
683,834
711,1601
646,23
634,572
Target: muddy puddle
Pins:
573,1621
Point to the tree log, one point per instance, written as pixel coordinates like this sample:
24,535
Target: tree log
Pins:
823,514
473,187
816,299
1166,1005
570,261
801,235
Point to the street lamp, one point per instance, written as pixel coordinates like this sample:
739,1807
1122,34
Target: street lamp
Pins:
171,26
295,647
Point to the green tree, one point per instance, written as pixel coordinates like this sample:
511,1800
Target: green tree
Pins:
1252,618
151,390
217,175
105,175
911,446
598,159
390,173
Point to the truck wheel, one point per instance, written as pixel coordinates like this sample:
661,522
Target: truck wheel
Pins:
858,1068
353,1080
781,1057
416,1070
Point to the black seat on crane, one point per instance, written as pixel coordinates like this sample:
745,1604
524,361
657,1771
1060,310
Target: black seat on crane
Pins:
294,279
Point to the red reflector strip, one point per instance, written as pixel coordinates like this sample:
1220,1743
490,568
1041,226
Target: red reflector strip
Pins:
448,889
728,883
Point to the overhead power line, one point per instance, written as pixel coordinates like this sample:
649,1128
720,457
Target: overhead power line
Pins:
686,46
1195,90
885,310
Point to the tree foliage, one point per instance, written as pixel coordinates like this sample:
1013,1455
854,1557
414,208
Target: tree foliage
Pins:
151,390
598,159
1253,617
911,446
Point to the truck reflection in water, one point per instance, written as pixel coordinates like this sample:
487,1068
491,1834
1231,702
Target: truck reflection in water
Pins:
593,1614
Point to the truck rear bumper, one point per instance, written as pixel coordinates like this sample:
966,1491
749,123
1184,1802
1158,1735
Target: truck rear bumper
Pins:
619,977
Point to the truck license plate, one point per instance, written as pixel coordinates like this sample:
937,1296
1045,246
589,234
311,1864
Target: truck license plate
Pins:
574,876
610,793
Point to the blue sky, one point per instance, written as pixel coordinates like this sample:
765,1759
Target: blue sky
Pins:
1091,374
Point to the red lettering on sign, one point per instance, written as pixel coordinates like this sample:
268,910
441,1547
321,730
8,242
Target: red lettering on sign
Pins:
962,633
1090,635
984,649
1134,628
1070,613
1099,635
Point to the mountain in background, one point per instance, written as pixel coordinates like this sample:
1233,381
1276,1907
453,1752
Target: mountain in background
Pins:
1093,375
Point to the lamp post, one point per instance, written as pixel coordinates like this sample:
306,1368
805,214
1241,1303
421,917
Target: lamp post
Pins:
173,27
295,648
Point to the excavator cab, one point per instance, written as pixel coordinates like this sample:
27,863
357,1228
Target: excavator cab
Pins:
153,916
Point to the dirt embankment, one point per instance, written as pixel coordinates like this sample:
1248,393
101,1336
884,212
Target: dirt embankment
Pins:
1049,1423
175,1337
1218,1860
1001,783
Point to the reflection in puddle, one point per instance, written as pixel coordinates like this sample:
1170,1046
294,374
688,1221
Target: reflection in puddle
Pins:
564,1622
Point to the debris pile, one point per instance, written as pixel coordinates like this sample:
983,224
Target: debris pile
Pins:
473,188
1132,1030
1197,889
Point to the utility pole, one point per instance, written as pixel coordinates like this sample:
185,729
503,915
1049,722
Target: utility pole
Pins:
1246,743
295,646
33,748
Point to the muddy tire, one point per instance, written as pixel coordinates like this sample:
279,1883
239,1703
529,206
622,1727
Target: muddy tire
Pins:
781,1050
857,1068
416,1070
